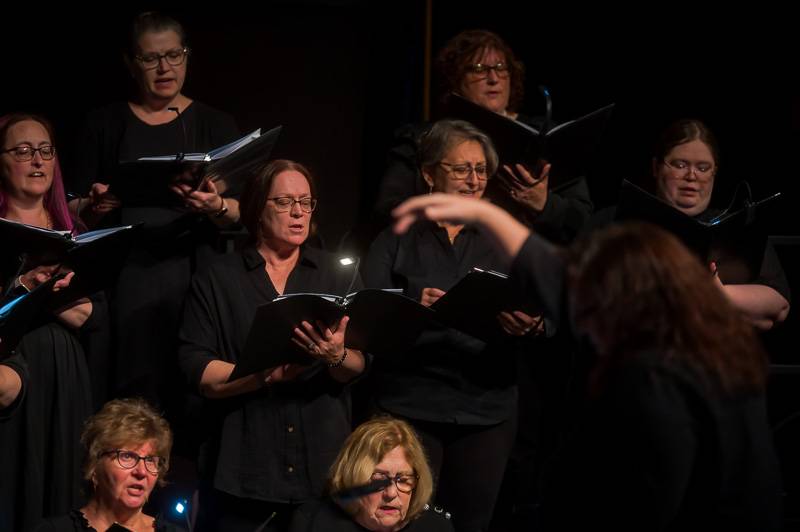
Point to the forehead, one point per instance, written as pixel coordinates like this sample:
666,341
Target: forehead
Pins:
465,150
488,56
158,41
143,449
289,182
394,461
27,131
695,150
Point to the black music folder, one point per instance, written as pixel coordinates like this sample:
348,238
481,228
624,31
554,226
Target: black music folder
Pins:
96,257
568,146
733,239
381,322
472,304
145,182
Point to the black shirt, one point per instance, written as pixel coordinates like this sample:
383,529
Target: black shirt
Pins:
447,376
326,516
275,444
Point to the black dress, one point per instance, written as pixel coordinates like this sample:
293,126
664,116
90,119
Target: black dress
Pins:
146,303
42,454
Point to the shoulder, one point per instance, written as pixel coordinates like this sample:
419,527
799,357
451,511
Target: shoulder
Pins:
321,515
73,521
228,265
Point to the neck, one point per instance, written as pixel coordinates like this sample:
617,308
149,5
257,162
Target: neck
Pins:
29,211
102,514
279,257
150,105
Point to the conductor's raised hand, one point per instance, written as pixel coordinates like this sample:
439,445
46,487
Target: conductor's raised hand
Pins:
438,207
322,342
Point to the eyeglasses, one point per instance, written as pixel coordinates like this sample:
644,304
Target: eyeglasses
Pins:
460,172
285,203
703,170
404,483
174,57
26,153
129,460
480,71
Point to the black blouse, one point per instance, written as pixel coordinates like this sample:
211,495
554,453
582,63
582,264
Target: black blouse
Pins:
447,376
275,444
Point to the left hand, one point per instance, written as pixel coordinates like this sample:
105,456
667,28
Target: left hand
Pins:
525,187
322,342
206,199
517,323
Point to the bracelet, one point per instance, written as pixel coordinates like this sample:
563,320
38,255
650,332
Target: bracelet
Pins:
222,210
340,361
20,283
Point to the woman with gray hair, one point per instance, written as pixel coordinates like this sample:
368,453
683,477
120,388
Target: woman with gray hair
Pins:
457,391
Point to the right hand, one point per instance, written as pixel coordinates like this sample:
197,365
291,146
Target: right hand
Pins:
101,200
438,207
430,296
41,274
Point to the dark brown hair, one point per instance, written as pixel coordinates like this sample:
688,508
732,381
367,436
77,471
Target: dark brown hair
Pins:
646,292
151,21
459,52
683,131
255,193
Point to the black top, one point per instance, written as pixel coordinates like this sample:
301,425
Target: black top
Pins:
327,516
275,444
114,134
75,521
770,274
563,215
447,376
662,448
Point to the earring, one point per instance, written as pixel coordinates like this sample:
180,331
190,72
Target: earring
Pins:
430,189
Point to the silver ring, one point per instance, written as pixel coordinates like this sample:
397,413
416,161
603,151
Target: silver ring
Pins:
312,347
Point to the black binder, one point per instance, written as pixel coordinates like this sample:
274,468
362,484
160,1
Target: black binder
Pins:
734,239
568,146
472,304
381,321
145,182
96,257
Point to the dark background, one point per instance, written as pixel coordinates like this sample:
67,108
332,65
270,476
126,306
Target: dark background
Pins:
342,75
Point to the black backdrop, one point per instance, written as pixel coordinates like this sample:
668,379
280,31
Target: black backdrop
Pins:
341,75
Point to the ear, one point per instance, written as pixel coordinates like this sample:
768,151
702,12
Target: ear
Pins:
427,175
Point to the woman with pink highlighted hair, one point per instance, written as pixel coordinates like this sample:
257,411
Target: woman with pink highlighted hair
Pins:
41,442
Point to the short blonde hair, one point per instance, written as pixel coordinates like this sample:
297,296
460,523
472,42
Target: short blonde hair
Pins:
124,422
367,446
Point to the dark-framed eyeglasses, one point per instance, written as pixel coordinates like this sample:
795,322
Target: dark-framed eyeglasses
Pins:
481,70
285,203
404,482
703,170
26,153
174,57
129,460
460,172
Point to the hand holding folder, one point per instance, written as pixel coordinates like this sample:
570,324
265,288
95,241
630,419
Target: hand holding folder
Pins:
146,181
733,240
567,146
380,321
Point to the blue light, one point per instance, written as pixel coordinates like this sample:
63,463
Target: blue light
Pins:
180,507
